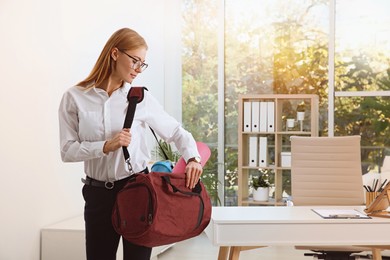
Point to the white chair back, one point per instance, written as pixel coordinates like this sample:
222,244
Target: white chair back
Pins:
326,171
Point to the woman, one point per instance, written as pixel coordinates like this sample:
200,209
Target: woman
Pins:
91,117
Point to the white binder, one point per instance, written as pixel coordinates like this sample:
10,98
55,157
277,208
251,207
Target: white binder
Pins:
270,116
255,116
247,127
263,152
253,151
263,117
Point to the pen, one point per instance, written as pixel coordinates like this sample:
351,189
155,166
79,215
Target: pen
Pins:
383,184
365,187
376,183
344,216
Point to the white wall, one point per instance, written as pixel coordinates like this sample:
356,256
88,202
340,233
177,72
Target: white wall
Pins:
46,47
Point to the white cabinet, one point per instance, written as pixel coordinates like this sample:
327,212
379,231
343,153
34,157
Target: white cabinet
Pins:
66,241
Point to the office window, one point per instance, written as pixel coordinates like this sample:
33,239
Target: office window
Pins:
199,77
362,63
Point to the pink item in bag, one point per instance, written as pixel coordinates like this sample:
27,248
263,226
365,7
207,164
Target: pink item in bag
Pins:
204,152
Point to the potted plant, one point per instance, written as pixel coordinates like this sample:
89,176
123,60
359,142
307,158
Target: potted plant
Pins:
301,114
301,111
260,187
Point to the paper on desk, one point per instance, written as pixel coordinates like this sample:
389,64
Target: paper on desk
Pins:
340,213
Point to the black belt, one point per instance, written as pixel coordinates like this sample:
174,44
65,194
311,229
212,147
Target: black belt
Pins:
107,184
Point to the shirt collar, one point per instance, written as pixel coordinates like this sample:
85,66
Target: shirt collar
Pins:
124,89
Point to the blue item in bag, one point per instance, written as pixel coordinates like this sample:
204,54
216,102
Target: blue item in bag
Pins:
162,166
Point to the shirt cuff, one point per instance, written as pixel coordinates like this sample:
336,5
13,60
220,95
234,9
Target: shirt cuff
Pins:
98,149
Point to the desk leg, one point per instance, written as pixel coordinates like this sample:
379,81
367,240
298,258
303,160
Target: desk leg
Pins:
234,252
223,252
376,254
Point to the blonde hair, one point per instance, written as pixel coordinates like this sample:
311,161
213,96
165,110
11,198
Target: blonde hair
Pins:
124,39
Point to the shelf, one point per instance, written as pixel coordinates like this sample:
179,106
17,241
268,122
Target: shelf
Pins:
282,133
258,167
251,133
265,168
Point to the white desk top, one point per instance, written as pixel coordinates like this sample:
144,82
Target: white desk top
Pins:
253,226
267,214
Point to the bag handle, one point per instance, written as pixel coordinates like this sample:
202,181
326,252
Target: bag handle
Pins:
195,191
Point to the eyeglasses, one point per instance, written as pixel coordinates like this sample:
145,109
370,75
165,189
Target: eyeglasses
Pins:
137,64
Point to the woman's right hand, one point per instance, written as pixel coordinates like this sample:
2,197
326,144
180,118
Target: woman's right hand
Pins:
123,138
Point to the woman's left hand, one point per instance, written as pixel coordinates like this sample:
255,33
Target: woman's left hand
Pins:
193,172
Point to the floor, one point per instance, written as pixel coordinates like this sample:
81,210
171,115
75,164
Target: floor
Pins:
200,248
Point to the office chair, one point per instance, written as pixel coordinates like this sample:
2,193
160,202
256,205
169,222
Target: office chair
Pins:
327,171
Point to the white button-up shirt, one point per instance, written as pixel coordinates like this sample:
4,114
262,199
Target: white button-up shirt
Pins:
89,117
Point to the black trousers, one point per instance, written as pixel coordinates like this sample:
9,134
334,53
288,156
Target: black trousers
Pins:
101,239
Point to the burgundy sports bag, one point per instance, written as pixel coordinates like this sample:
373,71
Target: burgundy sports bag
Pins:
157,208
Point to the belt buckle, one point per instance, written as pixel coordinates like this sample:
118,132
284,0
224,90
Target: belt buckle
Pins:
109,185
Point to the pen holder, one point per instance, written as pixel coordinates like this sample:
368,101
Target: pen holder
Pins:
370,197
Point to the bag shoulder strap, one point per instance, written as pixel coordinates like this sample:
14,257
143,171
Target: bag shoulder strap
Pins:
135,96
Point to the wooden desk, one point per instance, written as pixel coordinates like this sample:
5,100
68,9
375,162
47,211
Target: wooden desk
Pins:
238,228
